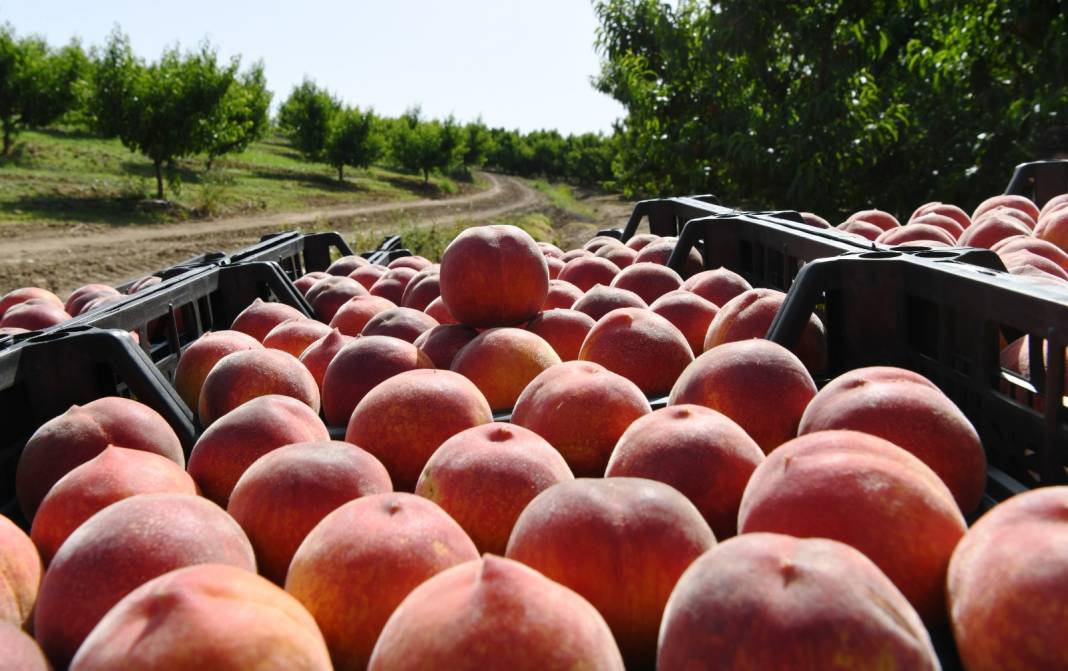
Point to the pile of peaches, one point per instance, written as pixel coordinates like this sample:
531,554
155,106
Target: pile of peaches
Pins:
754,521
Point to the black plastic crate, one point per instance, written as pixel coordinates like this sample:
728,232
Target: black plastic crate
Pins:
1039,180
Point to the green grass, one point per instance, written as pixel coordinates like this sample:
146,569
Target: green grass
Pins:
65,176
562,197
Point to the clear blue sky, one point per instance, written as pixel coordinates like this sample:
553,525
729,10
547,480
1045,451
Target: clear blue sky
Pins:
519,64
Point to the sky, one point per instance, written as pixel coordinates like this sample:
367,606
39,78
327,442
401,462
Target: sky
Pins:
517,64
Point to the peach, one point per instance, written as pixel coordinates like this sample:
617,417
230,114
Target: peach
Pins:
317,357
440,312
717,286
346,264
915,232
1037,246
1005,587
210,616
393,283
423,289
362,559
502,361
561,294
404,419
65,442
618,254
689,313
368,275
641,346
244,375
97,303
574,254
442,342
554,265
286,492
1026,259
20,574
414,262
1054,203
598,242
1012,213
307,281
534,624
260,317
404,323
698,451
114,474
750,316
659,252
946,223
864,229
1054,228
359,367
82,295
21,653
229,446
34,314
201,356
493,276
601,299
483,477
883,220
12,330
648,280
908,410
641,240
330,293
582,409
769,601
588,271
17,296
564,330
945,209
743,380
985,231
144,283
295,336
549,249
1021,203
821,485
576,533
353,315
119,549
814,220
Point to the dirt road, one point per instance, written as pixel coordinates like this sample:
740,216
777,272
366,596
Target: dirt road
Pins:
64,258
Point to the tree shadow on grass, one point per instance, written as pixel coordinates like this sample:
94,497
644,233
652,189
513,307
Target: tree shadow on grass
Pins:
111,210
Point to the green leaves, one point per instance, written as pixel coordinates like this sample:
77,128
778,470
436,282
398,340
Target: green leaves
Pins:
305,118
353,139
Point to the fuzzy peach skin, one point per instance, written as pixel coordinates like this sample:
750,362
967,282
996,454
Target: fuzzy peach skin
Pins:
242,376
286,492
699,452
443,342
760,385
582,409
641,346
294,336
392,283
260,317
201,356
23,294
1021,203
405,418
769,601
362,559
600,300
621,543
648,280
346,264
330,293
353,315
440,312
208,616
502,362
484,477
119,549
368,275
912,413
637,242
866,492
534,624
20,574
114,474
318,355
563,329
585,272
228,447
1007,583
404,323
689,313
660,251
422,289
717,286
622,256
493,276
21,653
82,432
561,294
944,209
883,220
359,367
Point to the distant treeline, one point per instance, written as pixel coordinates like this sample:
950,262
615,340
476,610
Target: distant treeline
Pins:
191,103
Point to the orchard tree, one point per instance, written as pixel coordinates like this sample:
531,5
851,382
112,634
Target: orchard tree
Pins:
38,85
306,116
418,145
241,115
477,144
353,139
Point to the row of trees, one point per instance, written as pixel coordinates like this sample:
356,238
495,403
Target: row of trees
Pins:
831,105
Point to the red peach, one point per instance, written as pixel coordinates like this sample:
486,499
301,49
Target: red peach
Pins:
440,312
423,289
689,313
317,357
393,283
82,295
201,356
353,316
588,271
368,275
648,280
564,330
989,229
21,653
1054,228
864,229
502,361
330,293
883,220
404,323
660,252
601,299
17,296
945,209
641,240
346,264
295,336
248,374
1037,246
561,294
814,220
442,342
554,265
258,319
33,314
617,254
914,233
947,224
414,262
641,346
20,574
1021,203
717,286
362,365
307,281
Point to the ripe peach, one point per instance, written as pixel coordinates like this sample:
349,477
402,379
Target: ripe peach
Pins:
404,419
577,531
698,451
554,265
20,574
307,281
493,276
562,294
717,286
201,356
229,446
295,336
353,316
598,242
248,374
34,314
946,223
1012,213
259,318
574,254
1021,203
588,271
750,316
601,299
989,229
330,293
210,616
119,549
286,492
1054,228
21,653
915,233
317,357
548,249
82,295
1026,259
368,275
442,343
404,323
814,220
821,485
689,313
641,240
423,289
659,252
414,262
1037,246
114,474
648,280
618,254
945,209
1054,203
564,330
17,296
534,624
439,311
641,346
582,409
883,220
486,475
743,380
361,560
502,361
393,283
346,264
359,367
82,432
863,229
769,601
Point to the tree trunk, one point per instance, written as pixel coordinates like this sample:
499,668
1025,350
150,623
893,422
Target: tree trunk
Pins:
7,140
341,173
426,176
159,179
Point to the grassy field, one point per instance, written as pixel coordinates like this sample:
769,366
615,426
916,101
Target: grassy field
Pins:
65,176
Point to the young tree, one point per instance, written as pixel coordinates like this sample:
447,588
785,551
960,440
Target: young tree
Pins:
477,144
241,116
305,118
417,145
353,139
38,85
453,144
